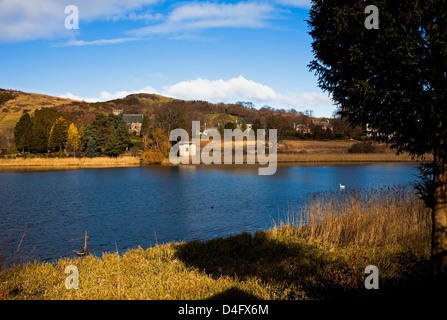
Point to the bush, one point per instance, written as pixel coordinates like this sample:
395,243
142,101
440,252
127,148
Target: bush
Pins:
363,147
61,154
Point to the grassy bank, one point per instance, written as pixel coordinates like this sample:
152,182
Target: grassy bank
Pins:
323,258
71,162
126,161
342,157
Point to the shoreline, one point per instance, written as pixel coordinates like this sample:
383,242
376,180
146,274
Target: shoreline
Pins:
98,162
128,161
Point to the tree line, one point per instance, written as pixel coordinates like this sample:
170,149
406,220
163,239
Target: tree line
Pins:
50,133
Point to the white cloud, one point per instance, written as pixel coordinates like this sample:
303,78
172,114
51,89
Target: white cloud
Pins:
22,20
80,43
197,16
219,90
237,89
72,96
105,96
230,91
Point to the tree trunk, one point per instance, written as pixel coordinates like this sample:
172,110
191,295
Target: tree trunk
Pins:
439,232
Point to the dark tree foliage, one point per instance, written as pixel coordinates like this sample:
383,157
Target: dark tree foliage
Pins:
282,124
23,132
113,148
230,125
393,78
146,125
42,122
91,150
169,119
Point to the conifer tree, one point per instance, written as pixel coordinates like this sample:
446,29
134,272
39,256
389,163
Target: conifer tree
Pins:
22,132
91,150
392,78
113,148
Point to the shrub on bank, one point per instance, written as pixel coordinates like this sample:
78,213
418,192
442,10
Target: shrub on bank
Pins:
363,147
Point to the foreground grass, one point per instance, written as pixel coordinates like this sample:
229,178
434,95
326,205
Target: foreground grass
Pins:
323,258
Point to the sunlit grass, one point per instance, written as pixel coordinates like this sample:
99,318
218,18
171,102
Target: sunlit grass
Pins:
342,157
71,161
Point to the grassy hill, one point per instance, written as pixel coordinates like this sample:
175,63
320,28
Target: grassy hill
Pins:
13,103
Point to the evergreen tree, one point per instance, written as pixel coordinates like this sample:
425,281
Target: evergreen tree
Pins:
91,150
23,132
256,125
123,134
40,134
113,147
58,135
97,129
145,125
230,125
42,121
393,79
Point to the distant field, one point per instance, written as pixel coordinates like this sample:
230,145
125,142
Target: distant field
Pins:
315,146
215,118
290,151
342,157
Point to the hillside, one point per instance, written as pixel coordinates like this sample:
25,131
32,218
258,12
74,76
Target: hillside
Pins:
168,113
13,103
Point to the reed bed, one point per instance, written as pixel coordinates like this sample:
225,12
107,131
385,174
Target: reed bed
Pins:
70,161
342,157
386,217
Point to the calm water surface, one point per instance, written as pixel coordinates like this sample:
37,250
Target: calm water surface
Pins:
124,208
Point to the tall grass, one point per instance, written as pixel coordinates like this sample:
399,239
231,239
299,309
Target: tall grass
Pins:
392,217
70,161
342,157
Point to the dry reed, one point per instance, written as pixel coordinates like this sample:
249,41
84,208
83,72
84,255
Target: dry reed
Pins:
342,157
391,217
70,161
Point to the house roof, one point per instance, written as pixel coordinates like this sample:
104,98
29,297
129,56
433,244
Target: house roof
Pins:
246,120
133,118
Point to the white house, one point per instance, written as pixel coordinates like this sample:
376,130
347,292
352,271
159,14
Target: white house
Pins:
187,149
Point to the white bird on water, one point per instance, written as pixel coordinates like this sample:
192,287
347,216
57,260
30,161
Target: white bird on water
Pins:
342,186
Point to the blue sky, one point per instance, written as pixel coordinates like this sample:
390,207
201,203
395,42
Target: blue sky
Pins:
219,51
